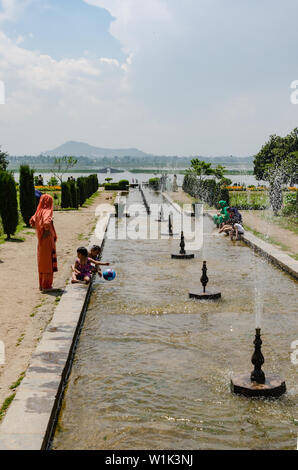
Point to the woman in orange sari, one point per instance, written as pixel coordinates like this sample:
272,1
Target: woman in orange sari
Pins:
42,221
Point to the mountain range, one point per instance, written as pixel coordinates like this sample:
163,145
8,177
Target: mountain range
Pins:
82,149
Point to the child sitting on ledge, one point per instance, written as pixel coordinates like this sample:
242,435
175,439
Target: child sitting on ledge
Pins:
237,230
94,255
82,269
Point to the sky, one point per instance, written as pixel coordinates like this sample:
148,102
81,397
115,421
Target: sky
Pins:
170,77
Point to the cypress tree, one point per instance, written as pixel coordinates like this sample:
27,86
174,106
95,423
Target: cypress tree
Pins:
66,195
82,190
78,195
8,204
27,193
74,196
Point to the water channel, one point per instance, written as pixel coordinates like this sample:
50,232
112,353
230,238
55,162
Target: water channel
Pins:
152,368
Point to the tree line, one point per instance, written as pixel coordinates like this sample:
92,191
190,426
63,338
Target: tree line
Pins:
19,201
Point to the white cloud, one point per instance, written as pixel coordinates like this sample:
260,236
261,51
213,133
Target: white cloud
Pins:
11,9
50,100
20,39
200,76
135,20
105,60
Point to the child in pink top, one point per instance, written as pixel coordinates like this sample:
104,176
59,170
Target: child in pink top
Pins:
82,269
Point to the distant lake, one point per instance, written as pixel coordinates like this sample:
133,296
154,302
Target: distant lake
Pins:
144,177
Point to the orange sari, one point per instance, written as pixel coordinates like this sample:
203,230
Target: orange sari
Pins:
42,220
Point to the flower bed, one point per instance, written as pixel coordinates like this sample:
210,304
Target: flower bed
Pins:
246,188
48,188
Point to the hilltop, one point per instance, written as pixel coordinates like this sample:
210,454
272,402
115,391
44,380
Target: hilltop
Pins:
82,149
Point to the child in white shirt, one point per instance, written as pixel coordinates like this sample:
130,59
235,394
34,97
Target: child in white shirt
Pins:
237,230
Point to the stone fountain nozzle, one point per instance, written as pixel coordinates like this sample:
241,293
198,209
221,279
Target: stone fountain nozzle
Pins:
182,253
204,278
256,384
258,360
206,294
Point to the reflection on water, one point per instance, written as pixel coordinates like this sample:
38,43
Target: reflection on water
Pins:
152,367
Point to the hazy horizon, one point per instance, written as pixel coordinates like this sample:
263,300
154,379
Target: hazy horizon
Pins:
50,152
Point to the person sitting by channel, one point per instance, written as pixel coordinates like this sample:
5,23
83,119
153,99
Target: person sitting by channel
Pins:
94,255
226,228
82,269
236,231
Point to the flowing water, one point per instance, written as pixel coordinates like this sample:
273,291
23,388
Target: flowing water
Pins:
152,369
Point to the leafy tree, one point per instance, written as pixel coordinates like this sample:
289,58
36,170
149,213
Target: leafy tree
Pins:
8,204
219,172
53,181
277,163
3,160
278,151
225,182
62,165
27,193
201,168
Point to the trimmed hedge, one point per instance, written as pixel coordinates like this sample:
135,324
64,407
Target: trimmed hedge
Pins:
154,183
208,191
75,193
27,193
8,203
66,200
122,185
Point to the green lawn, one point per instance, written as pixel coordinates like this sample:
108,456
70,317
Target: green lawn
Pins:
254,200
21,226
249,199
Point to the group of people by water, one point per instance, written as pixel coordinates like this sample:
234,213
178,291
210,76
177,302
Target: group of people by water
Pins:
229,221
86,263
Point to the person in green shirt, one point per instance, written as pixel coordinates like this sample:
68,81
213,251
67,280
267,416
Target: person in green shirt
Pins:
224,215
